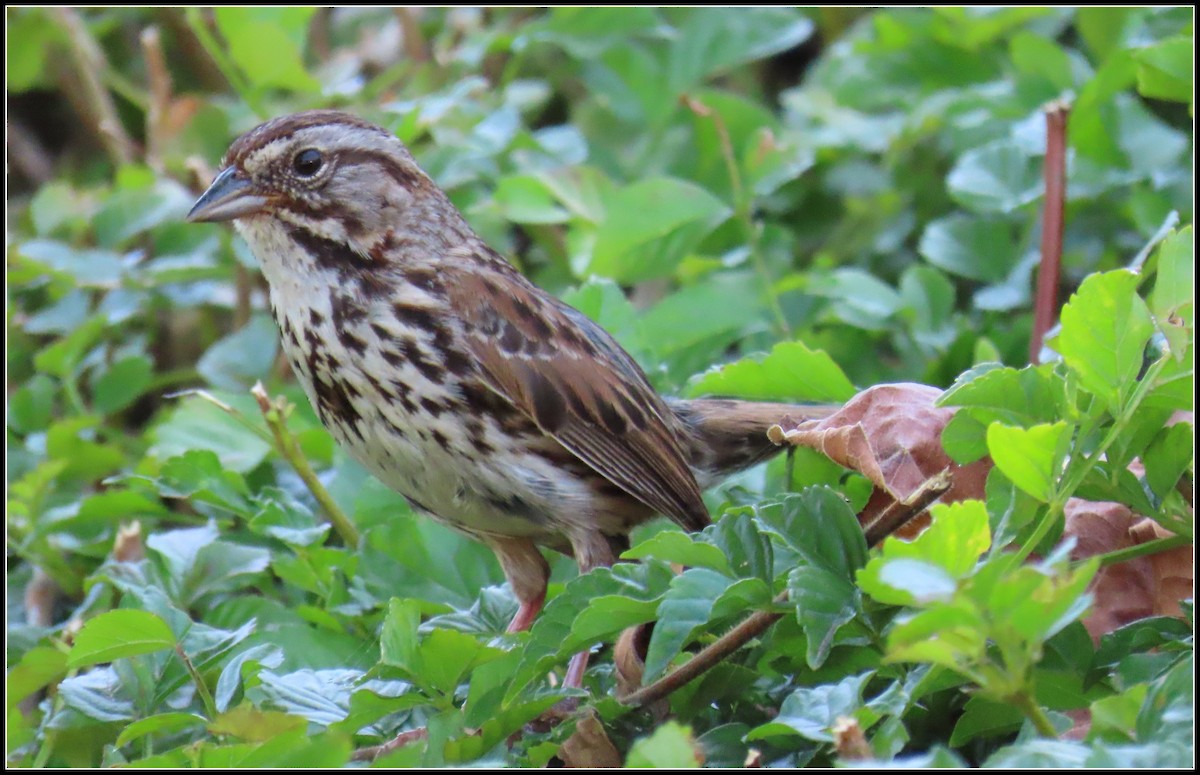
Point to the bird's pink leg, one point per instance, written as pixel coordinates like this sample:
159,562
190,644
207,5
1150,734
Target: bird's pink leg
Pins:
527,613
591,550
527,572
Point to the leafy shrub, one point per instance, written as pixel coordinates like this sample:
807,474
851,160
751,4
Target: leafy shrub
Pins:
708,184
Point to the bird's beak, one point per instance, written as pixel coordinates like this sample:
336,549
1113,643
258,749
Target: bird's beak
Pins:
230,196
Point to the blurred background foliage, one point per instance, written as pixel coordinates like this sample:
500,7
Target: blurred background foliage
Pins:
704,182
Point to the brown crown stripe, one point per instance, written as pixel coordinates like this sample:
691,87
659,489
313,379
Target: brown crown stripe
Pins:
286,126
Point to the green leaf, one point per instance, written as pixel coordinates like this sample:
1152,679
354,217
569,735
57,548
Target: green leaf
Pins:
246,722
585,32
906,581
821,527
680,548
30,39
670,746
231,677
790,372
1034,394
242,358
31,407
590,608
711,40
650,226
447,656
74,440
985,718
720,305
996,178
965,438
1168,457
1105,328
495,730
1139,636
1166,69
121,384
951,635
1173,297
978,248
399,643
99,693
39,667
143,204
824,602
1010,509
748,550
1030,457
957,535
1040,754
157,724
266,45
1039,56
1090,128
197,424
527,199
858,297
62,358
199,476
1114,719
810,712
683,613
1100,28
117,634
87,268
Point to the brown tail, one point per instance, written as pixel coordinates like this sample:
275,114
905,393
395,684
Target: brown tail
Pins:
726,436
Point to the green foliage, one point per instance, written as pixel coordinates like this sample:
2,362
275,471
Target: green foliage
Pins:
770,204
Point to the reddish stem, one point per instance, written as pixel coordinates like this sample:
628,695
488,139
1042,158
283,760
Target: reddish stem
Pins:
1045,307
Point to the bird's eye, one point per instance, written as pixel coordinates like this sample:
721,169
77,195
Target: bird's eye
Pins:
307,163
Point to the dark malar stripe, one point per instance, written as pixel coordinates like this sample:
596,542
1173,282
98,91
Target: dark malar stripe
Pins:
352,269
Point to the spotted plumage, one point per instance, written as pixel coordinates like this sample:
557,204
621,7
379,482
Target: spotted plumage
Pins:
489,404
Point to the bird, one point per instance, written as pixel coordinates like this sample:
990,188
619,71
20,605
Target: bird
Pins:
490,405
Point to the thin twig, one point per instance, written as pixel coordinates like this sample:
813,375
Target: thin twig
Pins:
373,752
160,96
900,513
41,593
90,63
749,628
27,153
415,49
193,54
225,64
1143,549
319,36
206,698
757,623
1045,306
243,284
743,203
286,445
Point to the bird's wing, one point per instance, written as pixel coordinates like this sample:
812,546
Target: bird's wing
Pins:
577,384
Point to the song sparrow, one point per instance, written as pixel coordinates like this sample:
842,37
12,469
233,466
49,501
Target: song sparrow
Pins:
489,404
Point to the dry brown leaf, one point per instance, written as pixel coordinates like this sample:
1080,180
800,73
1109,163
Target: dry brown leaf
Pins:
892,434
1137,588
589,746
128,545
1172,572
849,740
629,659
